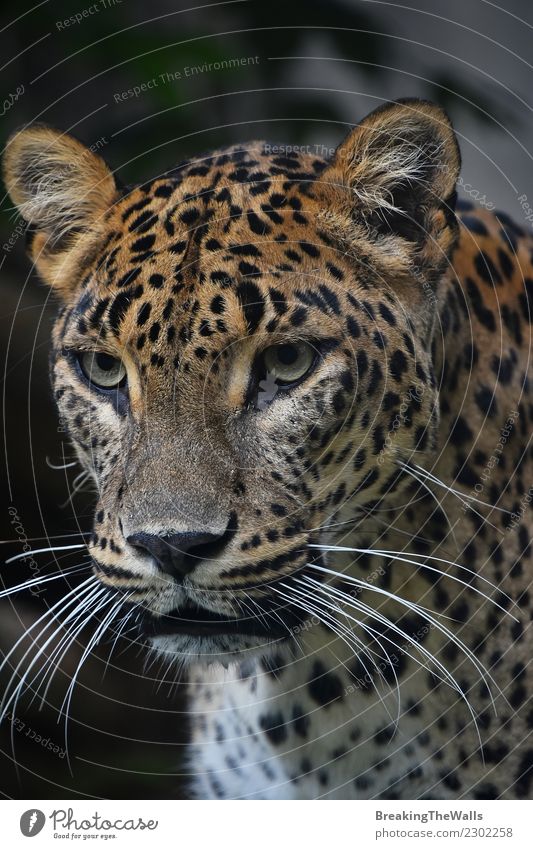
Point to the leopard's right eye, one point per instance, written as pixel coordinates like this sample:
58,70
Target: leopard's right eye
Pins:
102,370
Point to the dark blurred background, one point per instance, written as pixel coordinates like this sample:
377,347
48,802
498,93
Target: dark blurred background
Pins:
299,72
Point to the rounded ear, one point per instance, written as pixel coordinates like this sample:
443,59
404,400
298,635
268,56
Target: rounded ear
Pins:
63,190
395,174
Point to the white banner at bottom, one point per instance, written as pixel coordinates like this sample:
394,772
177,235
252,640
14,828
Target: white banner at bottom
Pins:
231,825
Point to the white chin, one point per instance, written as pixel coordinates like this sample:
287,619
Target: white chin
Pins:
221,648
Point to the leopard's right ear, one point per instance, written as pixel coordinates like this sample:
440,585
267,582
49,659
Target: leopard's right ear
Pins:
63,190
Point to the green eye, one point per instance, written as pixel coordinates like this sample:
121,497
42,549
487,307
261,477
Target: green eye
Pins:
288,363
102,370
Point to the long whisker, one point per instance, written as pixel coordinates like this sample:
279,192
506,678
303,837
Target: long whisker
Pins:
24,684
43,550
468,497
483,672
397,556
31,583
47,536
77,484
418,474
367,651
52,615
358,605
428,489
121,631
345,634
61,465
419,610
83,612
92,643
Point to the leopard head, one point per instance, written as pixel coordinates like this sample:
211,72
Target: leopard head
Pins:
235,341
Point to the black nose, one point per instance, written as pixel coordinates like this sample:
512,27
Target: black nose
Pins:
178,554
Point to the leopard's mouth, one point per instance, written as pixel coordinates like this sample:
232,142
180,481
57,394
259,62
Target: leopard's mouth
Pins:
195,621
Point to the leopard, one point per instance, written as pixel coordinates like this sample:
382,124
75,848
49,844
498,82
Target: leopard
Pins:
300,387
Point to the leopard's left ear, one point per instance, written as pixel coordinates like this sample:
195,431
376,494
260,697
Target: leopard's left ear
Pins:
395,174
63,190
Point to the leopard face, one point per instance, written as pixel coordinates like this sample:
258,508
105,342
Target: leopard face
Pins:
236,341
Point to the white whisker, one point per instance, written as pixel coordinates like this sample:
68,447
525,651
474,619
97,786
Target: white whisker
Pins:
397,556
483,672
61,465
43,550
27,584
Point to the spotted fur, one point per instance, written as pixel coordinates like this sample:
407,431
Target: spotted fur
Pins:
420,320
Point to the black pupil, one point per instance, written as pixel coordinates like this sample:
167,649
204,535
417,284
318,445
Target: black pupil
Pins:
105,362
287,354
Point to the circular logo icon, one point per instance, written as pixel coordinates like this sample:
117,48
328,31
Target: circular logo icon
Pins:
32,822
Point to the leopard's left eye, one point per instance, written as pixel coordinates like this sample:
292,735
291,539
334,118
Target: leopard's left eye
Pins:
288,363
102,370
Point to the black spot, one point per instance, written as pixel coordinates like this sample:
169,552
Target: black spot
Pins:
474,225
190,215
324,686
298,316
218,305
486,401
309,249
483,314
486,269
300,721
154,331
398,364
252,302
504,367
353,327
144,313
330,298
248,270
274,727
128,278
118,308
257,225
460,432
387,314
506,263
334,271
143,244
524,775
